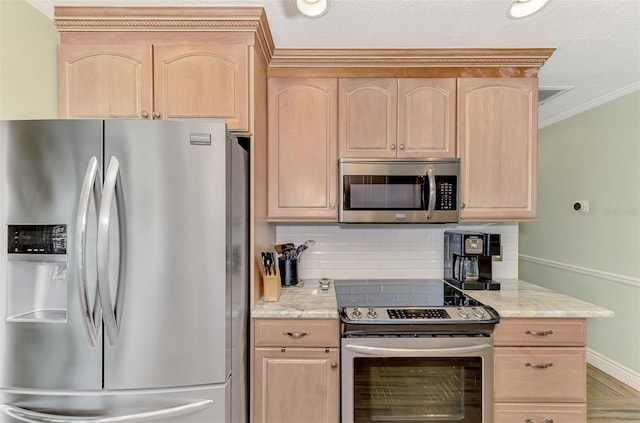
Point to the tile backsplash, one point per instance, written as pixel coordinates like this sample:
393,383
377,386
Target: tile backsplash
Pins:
387,251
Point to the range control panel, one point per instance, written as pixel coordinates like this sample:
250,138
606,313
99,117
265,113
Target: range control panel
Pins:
415,314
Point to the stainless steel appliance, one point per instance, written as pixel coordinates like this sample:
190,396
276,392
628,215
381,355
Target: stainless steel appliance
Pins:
468,258
123,272
398,191
414,350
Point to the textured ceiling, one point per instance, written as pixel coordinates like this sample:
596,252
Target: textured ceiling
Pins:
597,41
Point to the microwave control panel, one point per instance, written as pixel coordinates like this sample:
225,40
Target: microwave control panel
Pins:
446,193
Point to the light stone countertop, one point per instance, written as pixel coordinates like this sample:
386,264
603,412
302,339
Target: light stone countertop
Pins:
516,298
300,302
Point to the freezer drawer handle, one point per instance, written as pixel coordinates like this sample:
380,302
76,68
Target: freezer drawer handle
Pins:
29,416
92,184
112,187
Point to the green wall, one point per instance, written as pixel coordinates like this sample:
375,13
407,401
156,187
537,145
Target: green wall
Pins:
593,256
28,62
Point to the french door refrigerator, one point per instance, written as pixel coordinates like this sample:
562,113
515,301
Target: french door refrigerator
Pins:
123,277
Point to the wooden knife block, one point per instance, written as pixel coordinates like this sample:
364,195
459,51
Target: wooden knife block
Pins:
272,286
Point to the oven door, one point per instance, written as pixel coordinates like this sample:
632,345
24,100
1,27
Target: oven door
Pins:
425,379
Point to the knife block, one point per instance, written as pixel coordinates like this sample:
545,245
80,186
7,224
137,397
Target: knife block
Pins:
272,287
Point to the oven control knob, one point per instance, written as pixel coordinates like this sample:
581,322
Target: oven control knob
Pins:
463,313
356,314
371,314
479,313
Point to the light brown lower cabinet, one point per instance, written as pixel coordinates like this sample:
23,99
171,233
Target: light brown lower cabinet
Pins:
540,413
296,371
540,371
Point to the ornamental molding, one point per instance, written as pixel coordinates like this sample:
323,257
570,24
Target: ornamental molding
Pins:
68,19
439,58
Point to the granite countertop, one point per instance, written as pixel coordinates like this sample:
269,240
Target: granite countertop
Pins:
303,301
516,298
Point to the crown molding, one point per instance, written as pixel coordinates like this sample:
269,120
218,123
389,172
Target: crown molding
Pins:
153,19
406,58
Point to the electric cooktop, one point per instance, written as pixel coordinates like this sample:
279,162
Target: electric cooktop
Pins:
408,301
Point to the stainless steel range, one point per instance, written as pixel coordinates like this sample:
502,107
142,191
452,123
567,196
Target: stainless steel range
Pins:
417,350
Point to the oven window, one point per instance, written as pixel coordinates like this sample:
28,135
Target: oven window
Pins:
364,192
418,390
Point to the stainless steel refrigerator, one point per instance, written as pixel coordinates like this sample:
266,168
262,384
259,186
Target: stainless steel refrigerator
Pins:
123,272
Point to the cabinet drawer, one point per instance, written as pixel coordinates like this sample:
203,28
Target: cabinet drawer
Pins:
296,333
540,375
542,413
541,332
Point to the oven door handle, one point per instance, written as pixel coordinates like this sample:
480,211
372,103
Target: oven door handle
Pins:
417,352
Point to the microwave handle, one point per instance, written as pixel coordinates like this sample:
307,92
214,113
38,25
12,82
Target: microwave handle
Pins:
432,193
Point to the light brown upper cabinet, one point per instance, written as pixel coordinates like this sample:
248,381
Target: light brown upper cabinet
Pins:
391,117
155,81
497,146
302,149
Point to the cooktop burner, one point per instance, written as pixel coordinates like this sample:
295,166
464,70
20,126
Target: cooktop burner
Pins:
408,301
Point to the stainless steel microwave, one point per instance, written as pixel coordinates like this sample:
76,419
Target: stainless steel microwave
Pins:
399,190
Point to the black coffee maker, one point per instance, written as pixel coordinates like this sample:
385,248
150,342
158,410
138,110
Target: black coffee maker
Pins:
468,258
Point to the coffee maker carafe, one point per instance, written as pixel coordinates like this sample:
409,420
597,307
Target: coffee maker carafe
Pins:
468,259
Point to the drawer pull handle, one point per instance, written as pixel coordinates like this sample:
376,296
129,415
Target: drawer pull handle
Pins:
539,333
296,335
538,421
539,366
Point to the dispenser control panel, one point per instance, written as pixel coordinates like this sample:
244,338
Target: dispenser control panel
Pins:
37,239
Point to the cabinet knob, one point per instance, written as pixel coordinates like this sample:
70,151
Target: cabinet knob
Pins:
462,206
334,365
144,115
156,115
401,146
333,206
393,146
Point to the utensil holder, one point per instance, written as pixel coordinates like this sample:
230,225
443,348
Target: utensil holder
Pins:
288,272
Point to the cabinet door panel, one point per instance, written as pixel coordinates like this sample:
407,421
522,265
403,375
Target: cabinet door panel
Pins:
296,385
104,81
302,149
368,117
426,117
540,374
540,412
497,146
202,81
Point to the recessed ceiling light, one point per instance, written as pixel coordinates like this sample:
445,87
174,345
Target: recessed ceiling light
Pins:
523,8
312,8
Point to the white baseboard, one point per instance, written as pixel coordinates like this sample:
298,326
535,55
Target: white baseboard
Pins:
610,367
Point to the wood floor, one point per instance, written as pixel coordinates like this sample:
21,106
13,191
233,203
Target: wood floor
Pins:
609,400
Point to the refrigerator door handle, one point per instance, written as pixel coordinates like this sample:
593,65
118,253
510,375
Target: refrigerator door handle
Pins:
29,416
92,184
112,188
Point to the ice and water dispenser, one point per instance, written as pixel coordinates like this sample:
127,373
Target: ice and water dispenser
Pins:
37,273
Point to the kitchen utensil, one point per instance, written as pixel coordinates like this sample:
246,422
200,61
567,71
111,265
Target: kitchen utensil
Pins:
308,243
281,248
